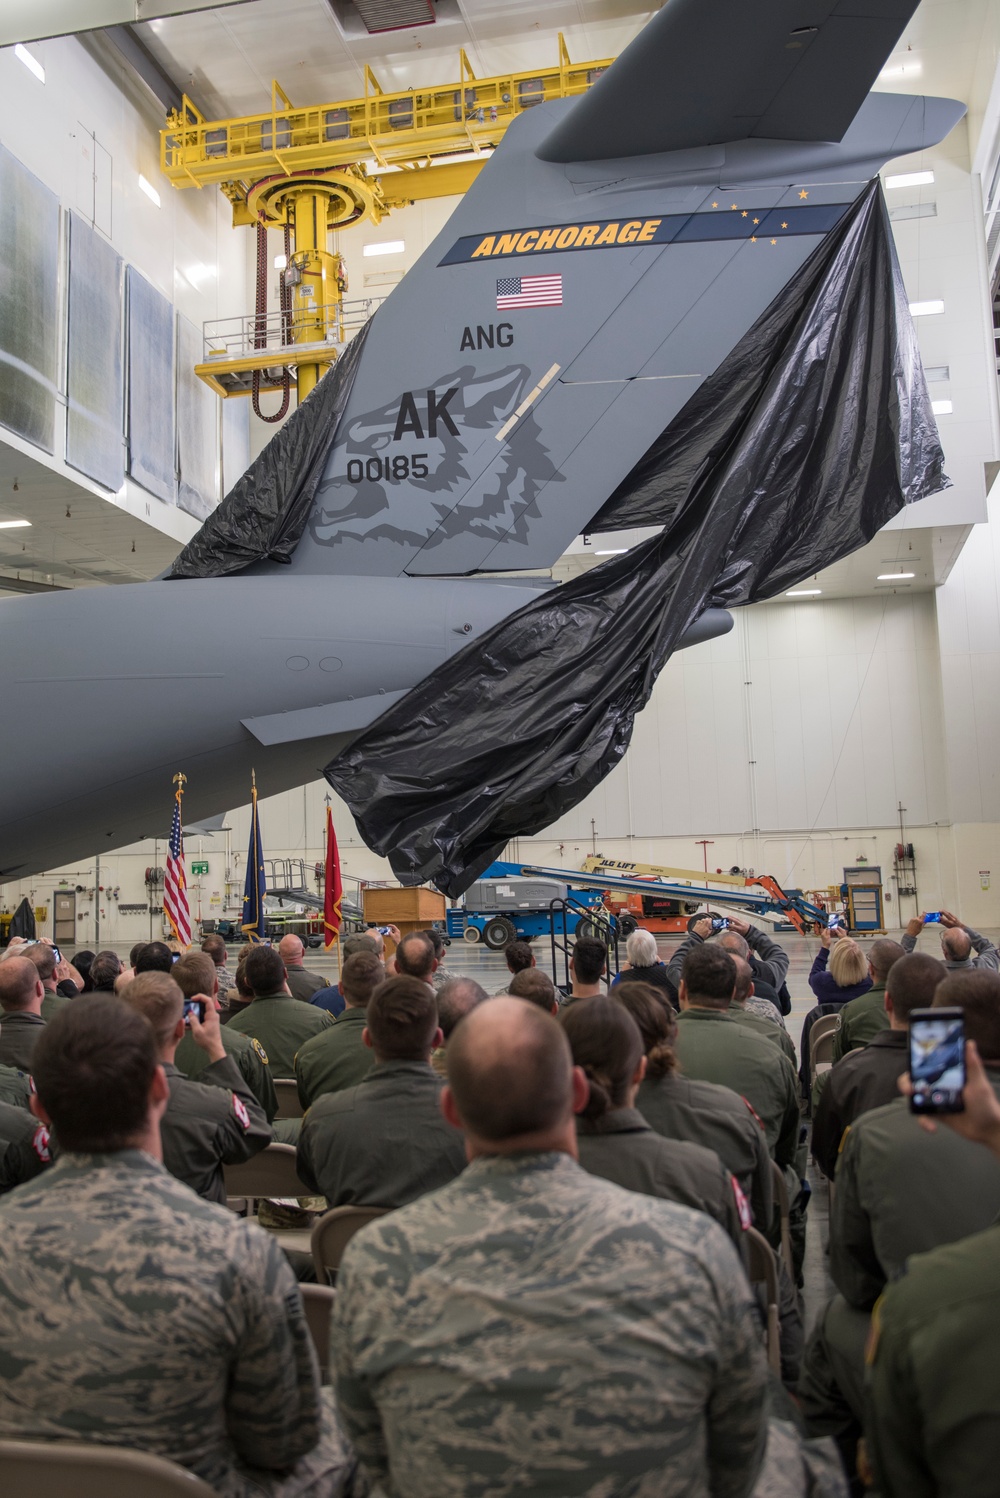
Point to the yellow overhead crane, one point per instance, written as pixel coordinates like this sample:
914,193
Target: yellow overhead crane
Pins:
313,169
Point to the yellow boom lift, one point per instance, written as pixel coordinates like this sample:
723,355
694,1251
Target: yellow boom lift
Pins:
313,169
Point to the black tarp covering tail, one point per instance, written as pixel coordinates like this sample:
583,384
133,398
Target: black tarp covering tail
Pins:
264,514
809,437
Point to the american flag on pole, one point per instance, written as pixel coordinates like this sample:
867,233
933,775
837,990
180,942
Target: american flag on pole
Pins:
528,291
175,900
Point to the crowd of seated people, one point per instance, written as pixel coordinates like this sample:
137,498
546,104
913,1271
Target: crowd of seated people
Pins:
593,1203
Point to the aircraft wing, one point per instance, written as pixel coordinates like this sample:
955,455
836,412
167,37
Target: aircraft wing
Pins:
701,75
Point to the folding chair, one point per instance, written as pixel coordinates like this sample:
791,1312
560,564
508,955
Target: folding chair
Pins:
763,1270
332,1233
288,1098
317,1302
271,1173
53,1469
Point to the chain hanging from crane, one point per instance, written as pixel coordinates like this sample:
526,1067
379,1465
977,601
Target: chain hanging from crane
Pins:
260,323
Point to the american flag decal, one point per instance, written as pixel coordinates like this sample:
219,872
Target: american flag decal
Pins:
528,291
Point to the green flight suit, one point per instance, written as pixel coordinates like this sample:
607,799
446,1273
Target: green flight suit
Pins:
14,1087
19,1034
933,1410
860,1021
208,1124
901,1191
52,1003
249,1055
767,1029
621,1147
335,1060
715,1047
281,1024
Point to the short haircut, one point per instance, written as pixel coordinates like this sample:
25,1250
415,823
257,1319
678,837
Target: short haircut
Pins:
18,979
744,979
194,973
606,1043
847,964
521,1084
534,986
155,957
518,957
881,956
214,945
590,958
240,976
354,944
709,975
656,1023
103,971
735,944
83,962
977,993
640,949
264,969
93,1067
402,1018
912,982
437,941
134,952
44,959
456,999
360,976
415,956
956,943
160,1000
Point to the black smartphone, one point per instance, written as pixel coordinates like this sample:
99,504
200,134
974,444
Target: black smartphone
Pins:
194,1006
56,953
937,1060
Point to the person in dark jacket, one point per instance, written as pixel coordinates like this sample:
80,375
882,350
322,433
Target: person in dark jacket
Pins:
839,974
645,966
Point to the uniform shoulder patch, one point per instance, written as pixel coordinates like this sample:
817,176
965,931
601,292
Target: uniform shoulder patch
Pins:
754,1114
256,1045
742,1205
40,1144
239,1108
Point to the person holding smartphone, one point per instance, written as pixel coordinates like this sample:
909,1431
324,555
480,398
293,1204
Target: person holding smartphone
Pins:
931,1422
958,942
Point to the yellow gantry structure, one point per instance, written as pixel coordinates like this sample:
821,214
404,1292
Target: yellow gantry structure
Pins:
320,167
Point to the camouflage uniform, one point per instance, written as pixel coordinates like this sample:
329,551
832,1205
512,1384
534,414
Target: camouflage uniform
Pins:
24,1147
249,1055
208,1124
530,1329
281,1024
132,1313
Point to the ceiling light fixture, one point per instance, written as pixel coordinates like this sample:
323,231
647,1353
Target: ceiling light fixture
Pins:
942,408
902,70
13,525
385,247
894,577
280,261
910,179
803,592
149,190
926,309
31,63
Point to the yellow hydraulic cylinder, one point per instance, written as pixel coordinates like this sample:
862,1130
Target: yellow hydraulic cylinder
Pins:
316,295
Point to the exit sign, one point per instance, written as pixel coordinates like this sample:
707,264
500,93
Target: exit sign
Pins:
199,868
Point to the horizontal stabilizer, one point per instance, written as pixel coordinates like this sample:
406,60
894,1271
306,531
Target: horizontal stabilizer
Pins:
703,72
318,722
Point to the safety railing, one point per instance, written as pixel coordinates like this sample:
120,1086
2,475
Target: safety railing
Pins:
239,337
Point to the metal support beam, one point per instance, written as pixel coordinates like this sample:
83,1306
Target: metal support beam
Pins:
34,20
145,66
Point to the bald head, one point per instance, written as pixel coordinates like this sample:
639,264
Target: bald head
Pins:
291,950
510,1072
44,959
744,979
955,944
881,956
735,944
20,986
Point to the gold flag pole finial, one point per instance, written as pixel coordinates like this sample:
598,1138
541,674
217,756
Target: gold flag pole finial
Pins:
180,781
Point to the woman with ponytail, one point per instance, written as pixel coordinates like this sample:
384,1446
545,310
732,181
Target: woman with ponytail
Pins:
616,1142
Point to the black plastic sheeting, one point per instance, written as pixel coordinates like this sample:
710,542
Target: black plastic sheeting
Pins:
263,516
809,437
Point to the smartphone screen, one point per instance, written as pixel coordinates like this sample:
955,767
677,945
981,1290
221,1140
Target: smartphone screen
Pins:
832,921
937,1060
719,923
934,915
194,1006
57,954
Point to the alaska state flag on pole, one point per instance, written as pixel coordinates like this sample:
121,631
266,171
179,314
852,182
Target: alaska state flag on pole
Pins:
255,887
333,886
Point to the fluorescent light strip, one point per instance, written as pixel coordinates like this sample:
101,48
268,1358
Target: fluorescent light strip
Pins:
13,525
910,179
942,408
894,577
617,551
31,63
149,190
280,261
803,592
902,70
926,309
385,247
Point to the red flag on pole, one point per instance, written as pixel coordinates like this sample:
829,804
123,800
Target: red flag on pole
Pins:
333,887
